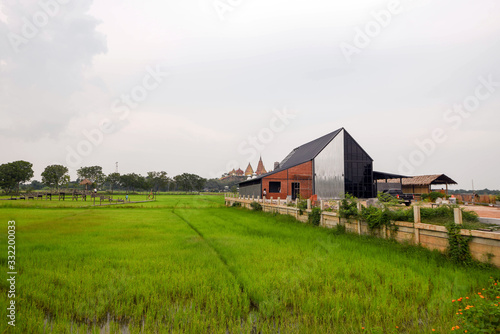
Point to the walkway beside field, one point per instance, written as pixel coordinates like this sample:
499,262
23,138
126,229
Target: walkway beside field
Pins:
484,211
487,214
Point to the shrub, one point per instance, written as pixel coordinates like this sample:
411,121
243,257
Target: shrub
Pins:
374,217
236,204
387,198
256,206
302,206
404,215
314,217
378,217
348,207
481,312
470,216
446,213
433,196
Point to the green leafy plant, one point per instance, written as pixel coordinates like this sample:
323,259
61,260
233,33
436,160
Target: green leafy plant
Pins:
387,199
446,213
349,207
481,312
458,245
314,217
236,204
256,206
433,196
405,215
302,205
376,217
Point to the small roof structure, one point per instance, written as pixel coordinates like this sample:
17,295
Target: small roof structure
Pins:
421,181
86,182
424,180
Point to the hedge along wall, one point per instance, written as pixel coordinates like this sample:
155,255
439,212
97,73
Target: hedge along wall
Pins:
484,246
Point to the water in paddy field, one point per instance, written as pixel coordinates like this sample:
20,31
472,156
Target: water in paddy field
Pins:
104,328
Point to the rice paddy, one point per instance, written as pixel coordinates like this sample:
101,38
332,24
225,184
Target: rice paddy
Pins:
187,264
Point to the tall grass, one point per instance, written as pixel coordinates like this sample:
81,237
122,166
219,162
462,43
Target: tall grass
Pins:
187,264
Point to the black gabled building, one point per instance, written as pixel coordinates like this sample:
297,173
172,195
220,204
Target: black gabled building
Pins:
329,167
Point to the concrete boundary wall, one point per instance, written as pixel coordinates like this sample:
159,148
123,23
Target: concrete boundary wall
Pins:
484,246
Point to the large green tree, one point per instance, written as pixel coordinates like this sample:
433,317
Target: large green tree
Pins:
157,180
133,181
55,176
189,182
93,173
113,180
14,173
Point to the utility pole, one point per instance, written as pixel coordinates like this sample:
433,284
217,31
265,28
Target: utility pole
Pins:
473,193
116,169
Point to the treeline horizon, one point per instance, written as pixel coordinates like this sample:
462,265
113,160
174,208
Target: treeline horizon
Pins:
18,176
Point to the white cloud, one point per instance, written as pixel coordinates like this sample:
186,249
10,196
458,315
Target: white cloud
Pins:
47,68
228,76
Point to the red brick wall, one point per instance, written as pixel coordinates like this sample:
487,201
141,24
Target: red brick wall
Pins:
301,174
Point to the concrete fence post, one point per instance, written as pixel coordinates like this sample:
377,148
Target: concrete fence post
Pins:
252,197
309,204
458,216
359,206
322,205
416,214
417,218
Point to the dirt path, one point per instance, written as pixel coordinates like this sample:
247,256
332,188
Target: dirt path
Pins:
484,211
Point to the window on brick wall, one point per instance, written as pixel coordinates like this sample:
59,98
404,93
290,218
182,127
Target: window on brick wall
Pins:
274,187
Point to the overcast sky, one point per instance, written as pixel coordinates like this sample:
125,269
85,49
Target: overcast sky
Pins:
203,86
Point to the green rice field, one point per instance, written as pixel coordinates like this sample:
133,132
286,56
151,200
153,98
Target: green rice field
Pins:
188,264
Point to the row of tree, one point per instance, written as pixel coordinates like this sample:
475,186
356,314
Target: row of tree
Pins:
14,174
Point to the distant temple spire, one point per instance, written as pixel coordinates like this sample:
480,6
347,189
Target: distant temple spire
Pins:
260,168
249,170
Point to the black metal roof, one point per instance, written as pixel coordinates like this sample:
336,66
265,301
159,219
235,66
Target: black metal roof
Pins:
301,154
309,151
